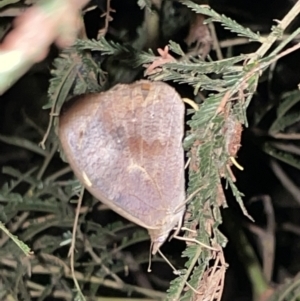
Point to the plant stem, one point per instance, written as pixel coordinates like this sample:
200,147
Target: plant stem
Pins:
273,36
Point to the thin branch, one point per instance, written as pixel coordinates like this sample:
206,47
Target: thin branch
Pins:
286,182
108,18
72,247
282,25
50,270
266,236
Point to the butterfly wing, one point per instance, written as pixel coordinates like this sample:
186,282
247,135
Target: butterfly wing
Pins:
125,145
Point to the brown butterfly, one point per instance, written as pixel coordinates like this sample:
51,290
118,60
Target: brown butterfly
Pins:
125,146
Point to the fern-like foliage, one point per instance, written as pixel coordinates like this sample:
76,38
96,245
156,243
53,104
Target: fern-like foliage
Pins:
284,126
47,207
226,22
106,48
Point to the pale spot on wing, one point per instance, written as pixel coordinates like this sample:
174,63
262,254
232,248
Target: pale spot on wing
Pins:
134,167
86,179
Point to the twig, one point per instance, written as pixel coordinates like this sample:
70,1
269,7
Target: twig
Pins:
286,136
47,160
287,183
259,68
14,227
31,123
290,148
53,113
96,258
72,247
283,24
291,228
216,43
242,41
134,266
59,174
23,143
42,270
15,239
108,18
246,253
266,236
